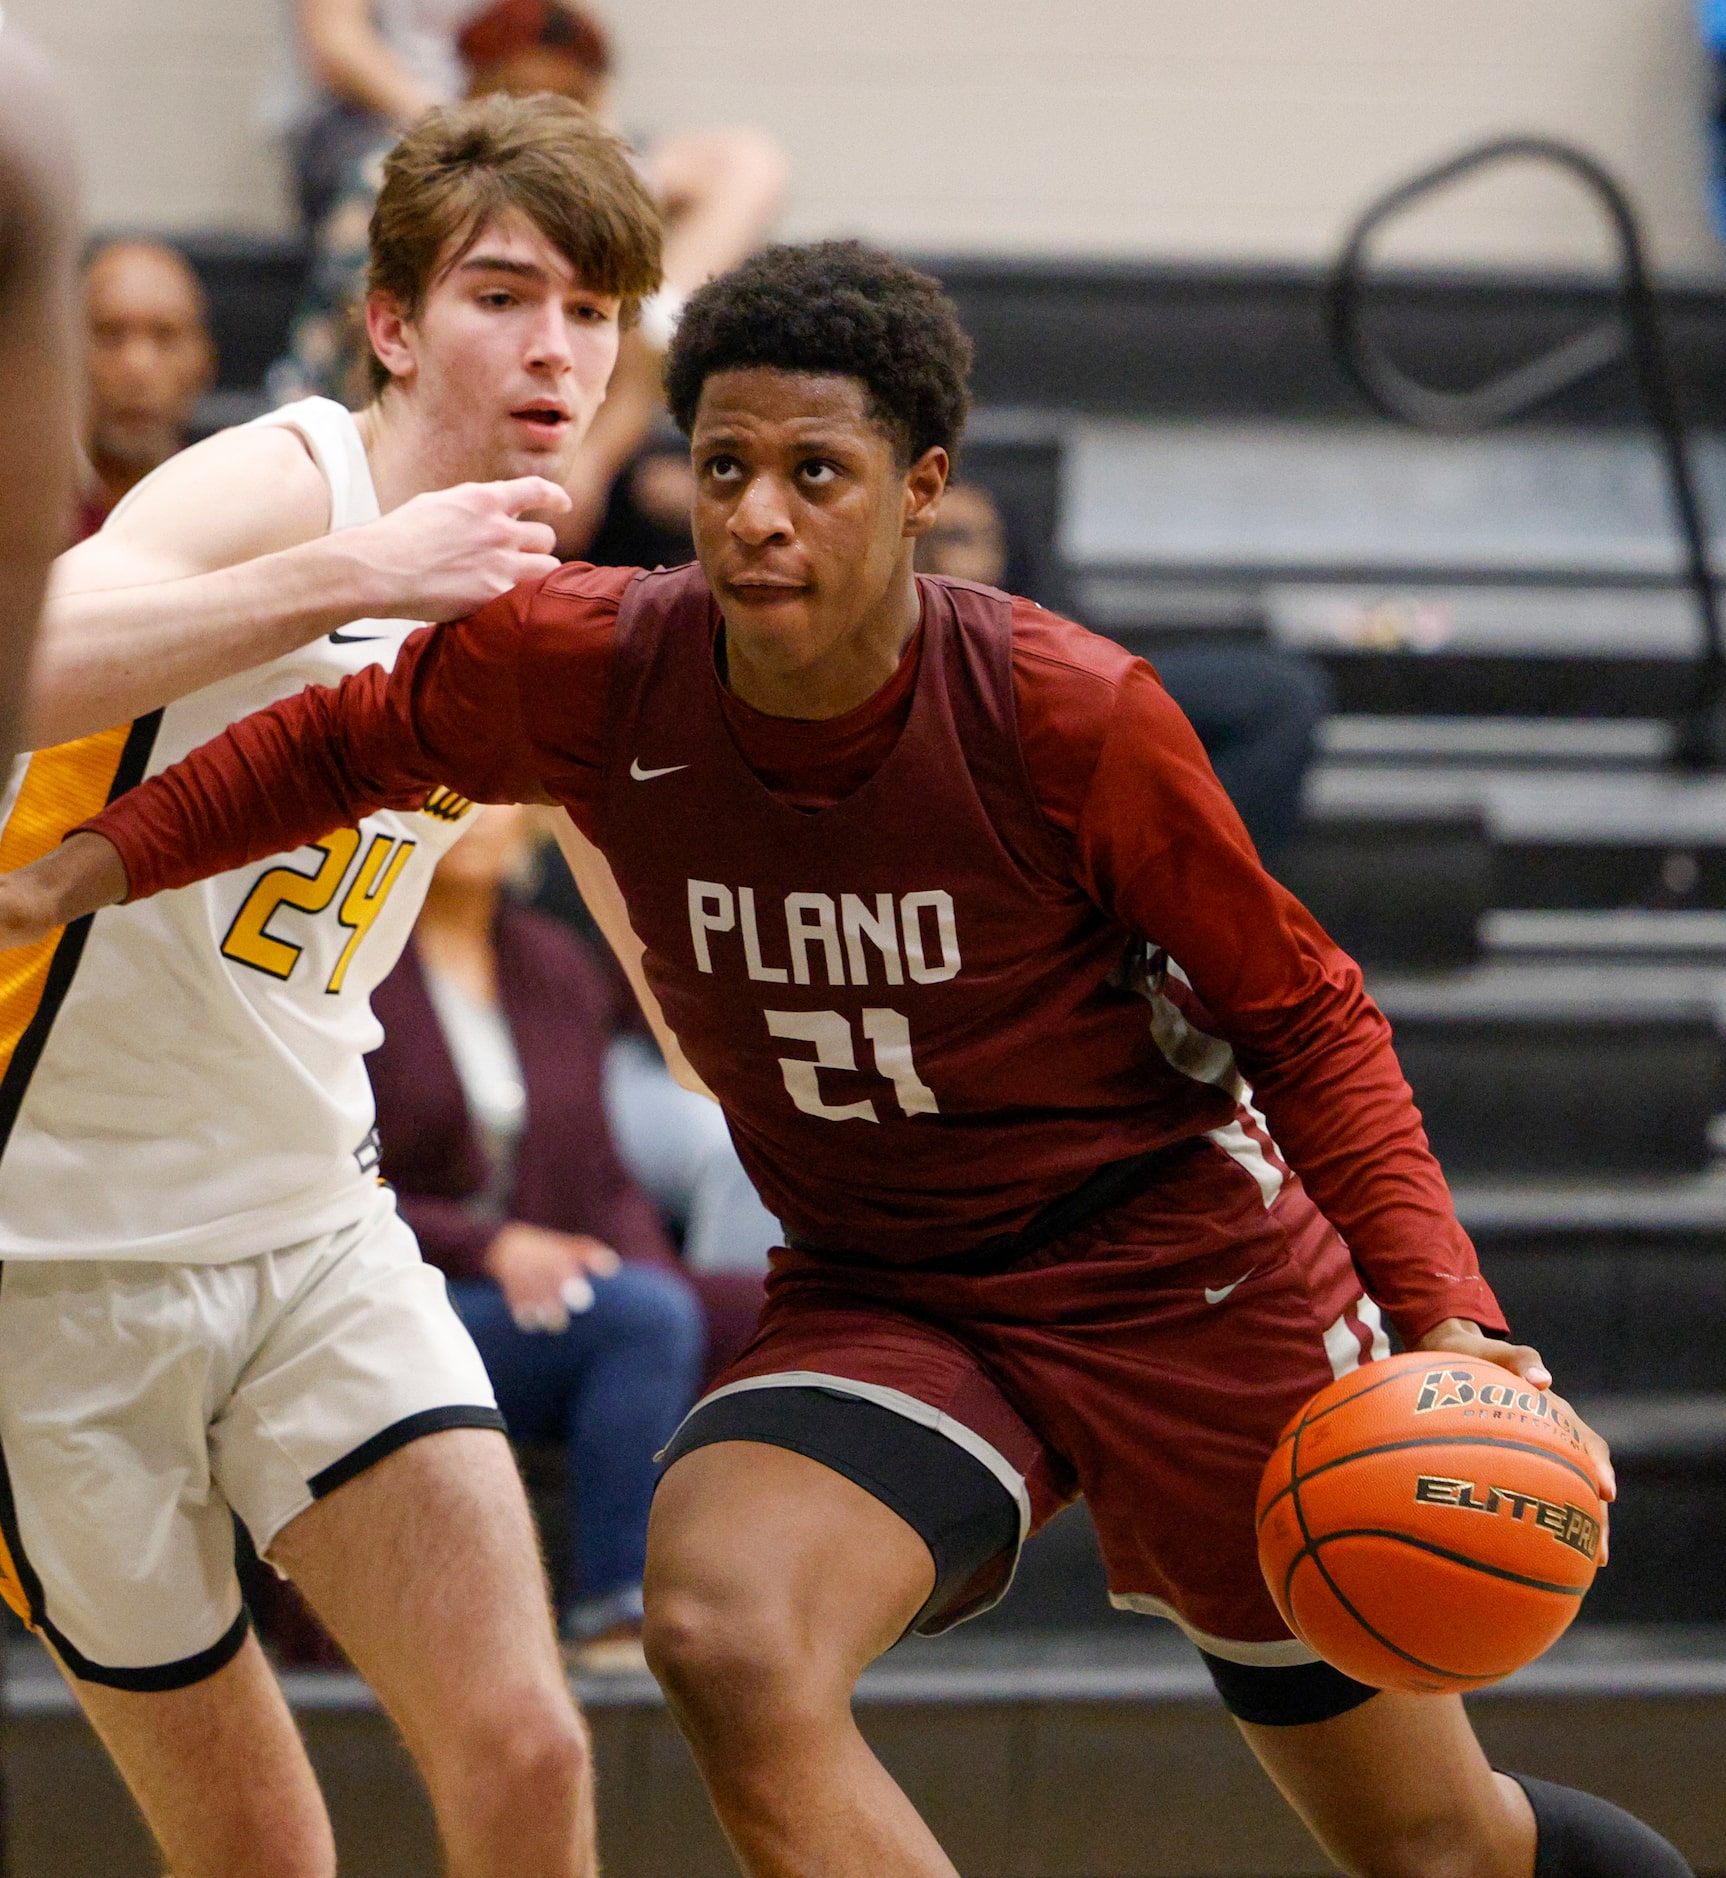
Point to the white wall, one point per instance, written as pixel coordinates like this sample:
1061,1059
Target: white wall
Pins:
165,96
1237,128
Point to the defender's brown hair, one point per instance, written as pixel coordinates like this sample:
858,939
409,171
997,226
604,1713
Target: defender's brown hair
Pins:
462,165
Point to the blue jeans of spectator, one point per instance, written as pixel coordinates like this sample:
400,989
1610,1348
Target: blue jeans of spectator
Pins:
611,1388
1257,712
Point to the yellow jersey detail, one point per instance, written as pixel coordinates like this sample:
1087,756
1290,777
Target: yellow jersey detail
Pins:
62,787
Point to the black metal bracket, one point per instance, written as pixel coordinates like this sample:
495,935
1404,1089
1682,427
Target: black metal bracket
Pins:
1634,329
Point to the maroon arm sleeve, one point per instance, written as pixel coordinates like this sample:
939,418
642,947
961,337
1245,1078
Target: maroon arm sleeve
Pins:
1161,847
448,714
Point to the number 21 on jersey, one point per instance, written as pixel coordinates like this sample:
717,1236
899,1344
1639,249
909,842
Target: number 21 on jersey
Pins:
835,1048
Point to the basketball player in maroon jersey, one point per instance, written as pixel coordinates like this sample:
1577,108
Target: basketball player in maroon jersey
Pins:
1093,1154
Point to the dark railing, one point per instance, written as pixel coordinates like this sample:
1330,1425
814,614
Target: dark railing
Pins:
1634,329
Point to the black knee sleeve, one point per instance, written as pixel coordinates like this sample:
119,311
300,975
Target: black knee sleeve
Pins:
1582,1837
1284,1697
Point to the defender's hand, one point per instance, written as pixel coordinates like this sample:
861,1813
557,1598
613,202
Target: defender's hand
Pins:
445,554
546,1276
1457,1337
82,875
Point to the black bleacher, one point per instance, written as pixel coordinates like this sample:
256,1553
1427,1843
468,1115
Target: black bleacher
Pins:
1130,339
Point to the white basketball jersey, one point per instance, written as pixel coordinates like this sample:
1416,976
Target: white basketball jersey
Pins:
184,1079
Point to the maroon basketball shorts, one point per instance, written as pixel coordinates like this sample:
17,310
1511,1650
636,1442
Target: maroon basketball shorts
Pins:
1148,1361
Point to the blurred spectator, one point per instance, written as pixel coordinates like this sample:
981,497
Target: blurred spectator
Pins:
679,1148
493,1132
675,1143
719,189
1256,710
149,360
374,66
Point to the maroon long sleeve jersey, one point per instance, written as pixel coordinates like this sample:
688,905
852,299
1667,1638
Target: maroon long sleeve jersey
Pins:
939,959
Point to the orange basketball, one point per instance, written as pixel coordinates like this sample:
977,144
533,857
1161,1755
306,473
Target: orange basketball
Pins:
1429,1523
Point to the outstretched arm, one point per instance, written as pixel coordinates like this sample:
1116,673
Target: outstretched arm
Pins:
37,231
221,562
448,714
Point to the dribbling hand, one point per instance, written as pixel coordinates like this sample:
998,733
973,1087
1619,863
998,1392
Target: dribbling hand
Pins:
1457,1337
443,555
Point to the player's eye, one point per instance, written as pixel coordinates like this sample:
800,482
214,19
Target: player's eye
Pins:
722,469
497,298
817,472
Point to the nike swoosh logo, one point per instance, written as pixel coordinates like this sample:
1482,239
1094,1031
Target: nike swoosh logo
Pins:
1216,1297
647,775
354,639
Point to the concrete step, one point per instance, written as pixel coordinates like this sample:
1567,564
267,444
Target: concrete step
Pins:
1373,503
1636,934
1422,864
1621,807
1472,684
1624,1215
1618,1317
1664,1428
1523,742
1574,1070
1669,1521
1402,892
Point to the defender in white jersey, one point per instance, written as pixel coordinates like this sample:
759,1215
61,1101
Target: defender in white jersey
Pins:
209,1308
254,988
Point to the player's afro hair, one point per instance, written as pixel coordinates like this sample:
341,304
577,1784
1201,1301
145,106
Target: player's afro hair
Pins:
840,307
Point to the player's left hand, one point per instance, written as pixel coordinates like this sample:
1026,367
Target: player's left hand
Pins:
1457,1337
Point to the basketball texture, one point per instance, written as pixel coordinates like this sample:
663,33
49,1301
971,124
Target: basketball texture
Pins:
1429,1523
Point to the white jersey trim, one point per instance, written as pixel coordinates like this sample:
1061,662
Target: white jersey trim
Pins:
1288,1655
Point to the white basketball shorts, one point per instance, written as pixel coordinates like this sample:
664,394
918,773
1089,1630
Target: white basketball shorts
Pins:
143,1406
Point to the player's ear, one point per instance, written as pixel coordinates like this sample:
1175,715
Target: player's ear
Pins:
925,481
390,332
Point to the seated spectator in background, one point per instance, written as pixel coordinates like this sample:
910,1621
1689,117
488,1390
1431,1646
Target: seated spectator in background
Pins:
1257,710
719,189
674,1142
493,1132
369,69
150,359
